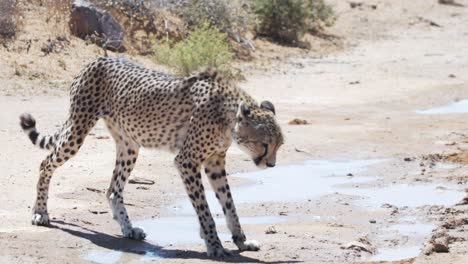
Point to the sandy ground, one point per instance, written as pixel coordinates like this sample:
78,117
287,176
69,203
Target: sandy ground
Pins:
359,104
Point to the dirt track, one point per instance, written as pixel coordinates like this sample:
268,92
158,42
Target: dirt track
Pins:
360,104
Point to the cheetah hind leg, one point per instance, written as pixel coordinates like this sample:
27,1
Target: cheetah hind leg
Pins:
69,141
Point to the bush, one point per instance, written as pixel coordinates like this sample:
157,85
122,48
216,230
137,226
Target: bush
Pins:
286,21
8,19
206,46
319,13
231,16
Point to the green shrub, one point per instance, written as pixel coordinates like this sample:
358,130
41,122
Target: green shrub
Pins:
206,46
286,21
319,13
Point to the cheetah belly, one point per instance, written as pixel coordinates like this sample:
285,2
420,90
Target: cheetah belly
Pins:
169,137
156,129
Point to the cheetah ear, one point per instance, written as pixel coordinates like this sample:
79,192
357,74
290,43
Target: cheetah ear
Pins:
267,105
244,111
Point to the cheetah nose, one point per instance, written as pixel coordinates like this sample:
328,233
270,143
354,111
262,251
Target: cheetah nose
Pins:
270,165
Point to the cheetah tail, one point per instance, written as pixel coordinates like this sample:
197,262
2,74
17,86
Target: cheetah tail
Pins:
28,124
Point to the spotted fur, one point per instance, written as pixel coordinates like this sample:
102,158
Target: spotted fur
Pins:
197,117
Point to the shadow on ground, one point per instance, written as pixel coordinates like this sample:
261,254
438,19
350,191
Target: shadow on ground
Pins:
141,248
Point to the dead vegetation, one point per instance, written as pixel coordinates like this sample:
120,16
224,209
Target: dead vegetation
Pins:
143,24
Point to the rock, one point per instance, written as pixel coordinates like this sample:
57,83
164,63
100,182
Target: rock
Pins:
464,201
407,159
297,121
358,246
355,4
454,223
89,22
372,221
271,230
439,243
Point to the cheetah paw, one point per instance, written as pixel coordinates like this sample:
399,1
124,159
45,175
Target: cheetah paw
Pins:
219,252
136,233
249,245
40,219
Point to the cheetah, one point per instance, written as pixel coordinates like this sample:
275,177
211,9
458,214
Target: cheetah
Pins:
197,117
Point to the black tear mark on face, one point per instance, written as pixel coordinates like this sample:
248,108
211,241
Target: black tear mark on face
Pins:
245,110
260,158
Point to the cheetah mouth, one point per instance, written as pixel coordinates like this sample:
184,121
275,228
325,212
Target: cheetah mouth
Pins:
259,159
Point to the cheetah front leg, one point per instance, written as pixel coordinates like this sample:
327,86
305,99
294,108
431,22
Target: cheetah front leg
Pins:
191,176
214,169
127,153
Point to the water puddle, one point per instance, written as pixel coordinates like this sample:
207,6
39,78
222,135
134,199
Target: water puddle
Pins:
397,253
298,183
458,107
414,236
103,257
405,195
166,231
417,229
309,180
316,178
116,256
446,166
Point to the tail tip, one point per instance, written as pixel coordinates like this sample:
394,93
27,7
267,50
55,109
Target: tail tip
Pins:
27,121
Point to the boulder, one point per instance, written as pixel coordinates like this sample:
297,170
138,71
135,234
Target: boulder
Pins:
91,23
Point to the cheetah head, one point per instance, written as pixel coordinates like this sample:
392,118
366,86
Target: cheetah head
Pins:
257,133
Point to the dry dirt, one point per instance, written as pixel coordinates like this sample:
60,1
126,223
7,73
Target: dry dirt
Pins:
359,103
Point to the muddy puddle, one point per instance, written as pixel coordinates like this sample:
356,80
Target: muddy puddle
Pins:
103,257
397,253
183,230
115,256
406,195
458,107
310,180
413,234
317,178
